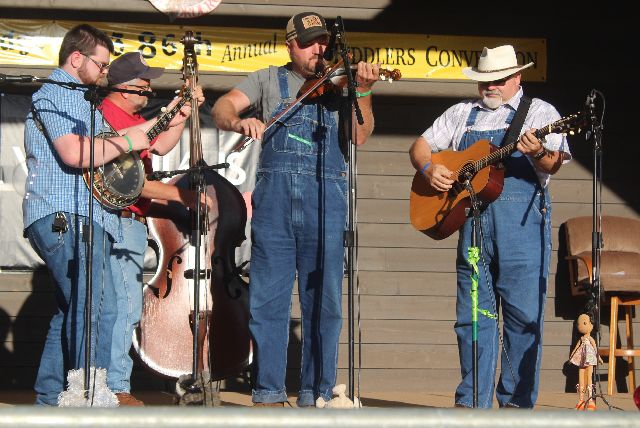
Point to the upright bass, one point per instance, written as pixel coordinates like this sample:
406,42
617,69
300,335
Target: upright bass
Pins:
190,287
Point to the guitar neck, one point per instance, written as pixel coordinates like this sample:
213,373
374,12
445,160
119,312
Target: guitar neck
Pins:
506,151
163,121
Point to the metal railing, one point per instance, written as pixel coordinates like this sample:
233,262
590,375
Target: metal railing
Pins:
160,417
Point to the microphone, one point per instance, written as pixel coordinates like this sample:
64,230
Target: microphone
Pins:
590,103
590,107
106,90
7,78
331,46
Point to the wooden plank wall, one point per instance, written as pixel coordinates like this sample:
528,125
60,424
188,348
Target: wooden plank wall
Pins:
407,284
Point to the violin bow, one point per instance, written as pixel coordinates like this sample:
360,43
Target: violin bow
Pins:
248,140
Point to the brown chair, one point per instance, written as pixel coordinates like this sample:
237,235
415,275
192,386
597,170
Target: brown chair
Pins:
619,278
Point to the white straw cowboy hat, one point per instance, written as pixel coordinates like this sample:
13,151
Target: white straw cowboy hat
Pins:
494,64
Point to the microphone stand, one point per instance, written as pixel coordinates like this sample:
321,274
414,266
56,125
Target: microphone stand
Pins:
473,257
94,95
159,175
196,175
595,135
348,100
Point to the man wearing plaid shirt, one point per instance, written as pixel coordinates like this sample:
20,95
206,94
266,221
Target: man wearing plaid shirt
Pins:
57,138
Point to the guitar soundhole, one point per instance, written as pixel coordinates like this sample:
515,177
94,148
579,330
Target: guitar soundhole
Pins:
456,189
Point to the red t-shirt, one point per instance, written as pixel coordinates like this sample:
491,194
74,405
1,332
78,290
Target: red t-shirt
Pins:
120,119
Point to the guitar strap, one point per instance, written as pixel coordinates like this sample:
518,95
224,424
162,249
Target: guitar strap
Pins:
518,120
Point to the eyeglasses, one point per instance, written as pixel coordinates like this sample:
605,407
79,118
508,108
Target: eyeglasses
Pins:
143,88
102,66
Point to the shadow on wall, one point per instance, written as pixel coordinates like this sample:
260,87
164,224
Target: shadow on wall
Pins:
28,331
6,355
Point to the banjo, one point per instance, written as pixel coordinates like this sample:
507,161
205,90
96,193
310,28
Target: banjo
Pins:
119,183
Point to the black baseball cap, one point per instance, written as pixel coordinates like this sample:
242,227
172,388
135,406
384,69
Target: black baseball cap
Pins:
306,26
131,66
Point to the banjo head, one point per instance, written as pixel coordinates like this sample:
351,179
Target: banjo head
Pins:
119,183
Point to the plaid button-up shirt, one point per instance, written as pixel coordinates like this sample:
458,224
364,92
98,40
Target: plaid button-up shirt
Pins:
51,185
448,129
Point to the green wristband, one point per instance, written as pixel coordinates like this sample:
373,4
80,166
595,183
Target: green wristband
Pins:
364,94
126,137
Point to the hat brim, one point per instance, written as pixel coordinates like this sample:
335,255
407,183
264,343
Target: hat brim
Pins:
311,34
479,76
151,73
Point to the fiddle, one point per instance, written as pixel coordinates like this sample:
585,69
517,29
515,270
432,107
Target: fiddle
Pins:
332,79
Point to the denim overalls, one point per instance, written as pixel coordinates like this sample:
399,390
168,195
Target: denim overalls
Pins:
516,246
299,218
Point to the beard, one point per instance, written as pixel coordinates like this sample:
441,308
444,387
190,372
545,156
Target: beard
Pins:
102,81
88,79
492,102
313,66
141,103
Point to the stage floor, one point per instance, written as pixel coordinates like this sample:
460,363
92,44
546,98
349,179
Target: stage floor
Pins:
546,401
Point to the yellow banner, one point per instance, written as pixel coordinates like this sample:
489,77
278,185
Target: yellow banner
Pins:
240,50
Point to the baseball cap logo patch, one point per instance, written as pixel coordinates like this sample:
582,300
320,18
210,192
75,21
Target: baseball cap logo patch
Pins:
311,21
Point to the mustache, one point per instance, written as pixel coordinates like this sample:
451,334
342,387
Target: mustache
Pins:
321,64
487,92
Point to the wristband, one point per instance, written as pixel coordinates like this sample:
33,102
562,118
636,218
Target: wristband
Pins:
424,168
126,137
364,94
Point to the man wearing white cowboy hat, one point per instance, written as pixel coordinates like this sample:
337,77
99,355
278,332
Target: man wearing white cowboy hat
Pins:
515,229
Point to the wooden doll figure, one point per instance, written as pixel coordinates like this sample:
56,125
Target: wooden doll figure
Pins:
585,356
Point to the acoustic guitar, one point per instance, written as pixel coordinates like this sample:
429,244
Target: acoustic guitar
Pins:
118,184
439,214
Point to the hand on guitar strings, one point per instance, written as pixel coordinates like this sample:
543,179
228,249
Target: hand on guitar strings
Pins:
439,177
528,144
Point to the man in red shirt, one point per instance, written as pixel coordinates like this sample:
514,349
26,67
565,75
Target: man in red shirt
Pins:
120,109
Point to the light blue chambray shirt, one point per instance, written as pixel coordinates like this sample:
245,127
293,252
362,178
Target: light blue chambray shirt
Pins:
448,129
51,185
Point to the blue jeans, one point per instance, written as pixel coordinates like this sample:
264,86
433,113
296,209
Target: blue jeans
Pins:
516,247
128,260
298,225
65,257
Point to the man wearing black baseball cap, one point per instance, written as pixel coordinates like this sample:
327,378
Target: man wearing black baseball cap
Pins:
120,109
305,27
130,66
299,212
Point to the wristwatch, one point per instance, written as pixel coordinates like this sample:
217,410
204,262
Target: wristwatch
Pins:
540,155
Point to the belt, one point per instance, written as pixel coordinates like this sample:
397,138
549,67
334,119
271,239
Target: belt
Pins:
130,214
